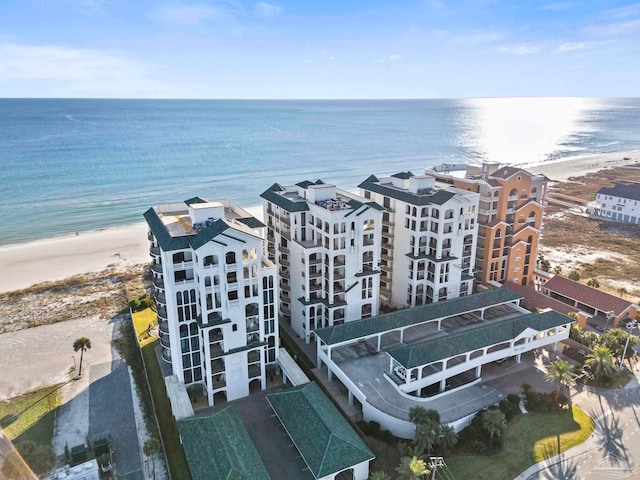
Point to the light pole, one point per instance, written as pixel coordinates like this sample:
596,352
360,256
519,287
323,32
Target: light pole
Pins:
630,326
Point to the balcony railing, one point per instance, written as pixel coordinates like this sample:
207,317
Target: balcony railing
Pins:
165,342
154,251
163,326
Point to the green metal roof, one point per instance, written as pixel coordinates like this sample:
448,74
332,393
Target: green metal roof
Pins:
271,194
252,222
323,437
412,316
435,197
193,200
218,446
474,338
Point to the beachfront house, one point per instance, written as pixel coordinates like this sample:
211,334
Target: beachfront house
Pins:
326,245
619,203
215,294
429,234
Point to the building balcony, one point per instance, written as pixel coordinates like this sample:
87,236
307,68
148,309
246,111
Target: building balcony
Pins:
158,283
162,313
155,251
150,236
163,327
165,342
284,273
284,249
285,309
217,366
254,371
217,349
284,296
218,382
166,355
284,261
160,298
314,261
253,356
385,291
314,287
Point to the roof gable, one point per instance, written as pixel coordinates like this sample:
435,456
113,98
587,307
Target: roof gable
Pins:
325,440
219,446
588,296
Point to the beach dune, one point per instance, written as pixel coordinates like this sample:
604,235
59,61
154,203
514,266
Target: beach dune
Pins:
25,264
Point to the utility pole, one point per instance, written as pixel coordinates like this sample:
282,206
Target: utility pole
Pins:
630,326
434,463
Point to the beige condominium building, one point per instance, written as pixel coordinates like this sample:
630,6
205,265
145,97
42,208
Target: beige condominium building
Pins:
509,217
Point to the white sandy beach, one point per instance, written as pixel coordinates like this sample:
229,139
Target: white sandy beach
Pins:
25,264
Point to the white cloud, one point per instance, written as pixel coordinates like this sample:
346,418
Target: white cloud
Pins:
76,72
187,15
627,11
394,57
268,10
569,47
616,29
520,49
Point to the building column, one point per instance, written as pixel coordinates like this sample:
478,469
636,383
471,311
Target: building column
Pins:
482,314
443,384
350,398
479,371
402,336
518,357
379,340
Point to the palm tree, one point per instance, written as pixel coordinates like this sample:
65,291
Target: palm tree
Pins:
494,422
426,436
600,363
412,468
379,476
560,372
448,436
82,344
150,448
594,283
420,415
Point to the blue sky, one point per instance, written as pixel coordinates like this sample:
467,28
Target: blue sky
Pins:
318,49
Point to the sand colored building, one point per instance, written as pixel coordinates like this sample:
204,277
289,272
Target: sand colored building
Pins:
509,217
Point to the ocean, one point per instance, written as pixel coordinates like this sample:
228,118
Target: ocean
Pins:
73,165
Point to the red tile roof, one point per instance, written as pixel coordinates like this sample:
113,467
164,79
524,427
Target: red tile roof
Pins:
532,299
587,295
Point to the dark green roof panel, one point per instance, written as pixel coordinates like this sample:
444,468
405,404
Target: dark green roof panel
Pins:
411,316
218,446
325,440
436,197
472,339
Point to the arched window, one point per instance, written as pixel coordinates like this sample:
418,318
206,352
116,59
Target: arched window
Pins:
513,192
498,233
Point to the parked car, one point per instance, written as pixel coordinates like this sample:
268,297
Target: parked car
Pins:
402,373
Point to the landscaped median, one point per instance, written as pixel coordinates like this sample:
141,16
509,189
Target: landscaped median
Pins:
529,439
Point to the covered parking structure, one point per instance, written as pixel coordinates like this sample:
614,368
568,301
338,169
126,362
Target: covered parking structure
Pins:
448,344
437,360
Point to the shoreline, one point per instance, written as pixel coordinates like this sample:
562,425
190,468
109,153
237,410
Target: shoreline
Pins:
122,247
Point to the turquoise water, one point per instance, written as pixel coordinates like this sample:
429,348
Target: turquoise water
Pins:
73,165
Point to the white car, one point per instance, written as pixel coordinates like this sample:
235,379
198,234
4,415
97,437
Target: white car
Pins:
402,373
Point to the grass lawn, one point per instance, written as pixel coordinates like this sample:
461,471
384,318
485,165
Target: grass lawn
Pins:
529,439
176,460
141,322
30,416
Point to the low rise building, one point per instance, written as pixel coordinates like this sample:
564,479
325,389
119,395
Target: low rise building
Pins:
429,233
619,203
326,245
215,294
426,355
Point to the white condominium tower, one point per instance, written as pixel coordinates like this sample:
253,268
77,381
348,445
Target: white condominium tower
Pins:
215,295
429,234
326,244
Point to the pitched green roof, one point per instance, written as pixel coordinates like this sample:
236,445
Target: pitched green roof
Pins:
271,194
474,338
434,197
218,446
323,437
411,316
